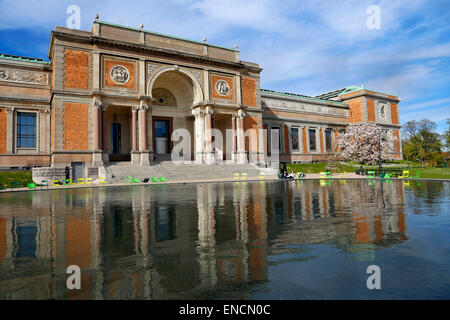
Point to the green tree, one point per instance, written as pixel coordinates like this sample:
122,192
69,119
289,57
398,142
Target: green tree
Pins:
447,136
421,143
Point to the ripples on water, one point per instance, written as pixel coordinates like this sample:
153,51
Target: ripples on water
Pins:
243,240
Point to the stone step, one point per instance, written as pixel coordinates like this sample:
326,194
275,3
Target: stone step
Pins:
170,170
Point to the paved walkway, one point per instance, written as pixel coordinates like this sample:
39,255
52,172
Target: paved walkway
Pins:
309,176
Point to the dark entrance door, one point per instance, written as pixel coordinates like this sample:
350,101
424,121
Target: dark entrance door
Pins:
116,137
77,170
162,137
116,144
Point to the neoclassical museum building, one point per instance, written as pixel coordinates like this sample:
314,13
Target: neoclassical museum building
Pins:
117,93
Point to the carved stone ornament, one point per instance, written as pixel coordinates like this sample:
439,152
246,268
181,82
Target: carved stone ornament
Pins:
197,74
120,74
152,68
222,87
20,76
305,107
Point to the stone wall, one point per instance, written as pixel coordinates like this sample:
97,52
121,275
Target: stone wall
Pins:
49,174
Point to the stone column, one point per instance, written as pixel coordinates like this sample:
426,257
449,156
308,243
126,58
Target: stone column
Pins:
241,158
9,130
209,152
97,159
105,132
233,142
142,115
135,158
199,128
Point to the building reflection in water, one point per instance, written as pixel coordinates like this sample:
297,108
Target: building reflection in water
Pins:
184,241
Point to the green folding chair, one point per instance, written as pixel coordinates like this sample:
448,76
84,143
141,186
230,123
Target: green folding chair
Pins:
31,186
162,179
154,179
370,174
135,180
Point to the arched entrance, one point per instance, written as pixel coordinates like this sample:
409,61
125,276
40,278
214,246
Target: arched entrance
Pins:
174,91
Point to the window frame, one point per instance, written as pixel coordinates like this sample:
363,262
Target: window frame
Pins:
19,128
298,139
315,139
328,146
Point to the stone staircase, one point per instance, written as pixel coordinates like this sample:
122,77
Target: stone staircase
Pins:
116,172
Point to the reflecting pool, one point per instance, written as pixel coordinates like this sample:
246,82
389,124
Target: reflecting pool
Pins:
241,240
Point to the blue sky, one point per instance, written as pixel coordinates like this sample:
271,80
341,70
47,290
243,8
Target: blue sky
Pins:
307,47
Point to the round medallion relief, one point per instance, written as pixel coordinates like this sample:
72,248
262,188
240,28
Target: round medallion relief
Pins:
222,87
120,74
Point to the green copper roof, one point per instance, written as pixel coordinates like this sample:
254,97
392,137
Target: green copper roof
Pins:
296,95
164,35
346,90
24,59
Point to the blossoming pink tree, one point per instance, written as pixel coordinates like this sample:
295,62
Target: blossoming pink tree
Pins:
359,143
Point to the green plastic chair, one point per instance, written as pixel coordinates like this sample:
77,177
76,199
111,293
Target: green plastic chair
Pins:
162,179
31,186
328,173
135,180
155,179
128,179
370,174
417,176
66,182
387,175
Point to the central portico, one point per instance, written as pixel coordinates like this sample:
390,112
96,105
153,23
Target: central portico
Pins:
147,90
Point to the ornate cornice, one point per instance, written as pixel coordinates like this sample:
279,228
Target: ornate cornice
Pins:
22,76
303,107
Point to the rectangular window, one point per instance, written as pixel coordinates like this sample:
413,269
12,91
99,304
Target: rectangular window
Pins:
294,138
312,139
275,140
328,142
26,130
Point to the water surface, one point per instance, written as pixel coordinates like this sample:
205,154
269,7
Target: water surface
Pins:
242,240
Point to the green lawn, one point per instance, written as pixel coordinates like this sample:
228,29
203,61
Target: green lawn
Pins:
425,173
8,178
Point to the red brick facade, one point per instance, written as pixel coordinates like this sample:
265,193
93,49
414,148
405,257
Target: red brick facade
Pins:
76,116
248,92
76,74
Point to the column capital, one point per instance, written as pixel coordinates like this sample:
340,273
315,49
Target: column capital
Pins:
241,114
198,112
9,109
143,106
209,111
135,108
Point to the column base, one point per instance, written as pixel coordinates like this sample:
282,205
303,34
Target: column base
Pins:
97,159
210,157
199,158
135,157
241,157
145,158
